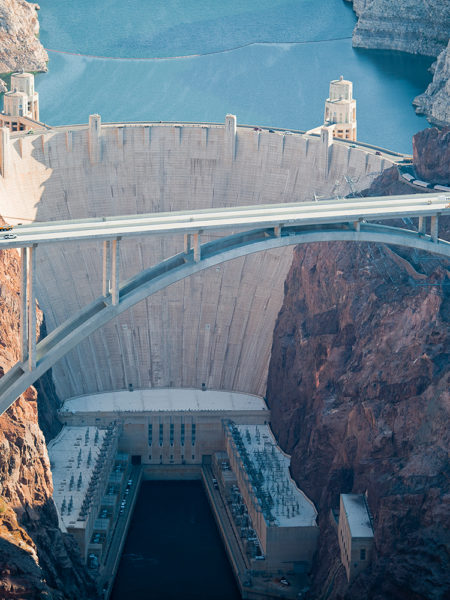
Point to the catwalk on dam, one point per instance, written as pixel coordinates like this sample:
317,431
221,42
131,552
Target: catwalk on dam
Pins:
173,549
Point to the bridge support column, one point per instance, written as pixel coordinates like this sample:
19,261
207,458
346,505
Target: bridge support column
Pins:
277,231
23,305
434,228
31,293
357,225
422,227
106,285
115,271
187,243
197,251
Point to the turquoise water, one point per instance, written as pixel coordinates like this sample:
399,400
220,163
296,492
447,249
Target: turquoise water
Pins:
264,78
143,28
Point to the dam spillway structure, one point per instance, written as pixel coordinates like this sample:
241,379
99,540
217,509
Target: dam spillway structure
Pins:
211,331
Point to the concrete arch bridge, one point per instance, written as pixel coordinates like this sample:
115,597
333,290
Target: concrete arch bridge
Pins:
211,325
253,229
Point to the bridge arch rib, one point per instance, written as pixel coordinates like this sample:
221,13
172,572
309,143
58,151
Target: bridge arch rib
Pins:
92,317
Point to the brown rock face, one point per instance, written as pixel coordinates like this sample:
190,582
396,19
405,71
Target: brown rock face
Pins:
405,25
36,559
435,101
359,392
431,151
20,48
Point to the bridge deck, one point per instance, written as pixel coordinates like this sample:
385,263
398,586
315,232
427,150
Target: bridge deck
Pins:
270,215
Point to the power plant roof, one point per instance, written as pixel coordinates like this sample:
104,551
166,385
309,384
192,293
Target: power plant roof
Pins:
164,400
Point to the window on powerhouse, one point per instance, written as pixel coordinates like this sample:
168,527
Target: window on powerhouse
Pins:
150,435
161,434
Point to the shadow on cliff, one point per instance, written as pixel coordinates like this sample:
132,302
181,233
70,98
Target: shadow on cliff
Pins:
359,395
46,566
48,402
413,69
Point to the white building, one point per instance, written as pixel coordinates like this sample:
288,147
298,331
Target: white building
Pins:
355,534
281,515
340,109
81,460
167,426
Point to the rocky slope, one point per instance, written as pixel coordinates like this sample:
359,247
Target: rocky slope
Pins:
435,101
408,25
36,559
359,392
19,45
431,154
416,27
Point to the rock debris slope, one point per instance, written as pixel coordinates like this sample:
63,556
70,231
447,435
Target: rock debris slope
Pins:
19,45
359,392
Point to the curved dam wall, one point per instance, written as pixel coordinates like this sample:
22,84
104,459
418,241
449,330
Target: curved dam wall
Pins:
215,327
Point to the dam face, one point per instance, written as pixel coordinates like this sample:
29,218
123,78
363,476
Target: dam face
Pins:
214,327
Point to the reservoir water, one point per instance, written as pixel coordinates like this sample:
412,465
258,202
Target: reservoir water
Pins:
267,61
173,549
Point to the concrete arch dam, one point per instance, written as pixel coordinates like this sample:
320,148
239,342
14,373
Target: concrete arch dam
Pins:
214,327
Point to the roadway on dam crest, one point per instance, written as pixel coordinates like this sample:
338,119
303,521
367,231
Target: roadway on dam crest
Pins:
195,221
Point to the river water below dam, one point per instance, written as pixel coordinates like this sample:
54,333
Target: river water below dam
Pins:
268,62
173,549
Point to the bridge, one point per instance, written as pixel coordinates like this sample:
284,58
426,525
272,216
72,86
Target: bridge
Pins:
253,229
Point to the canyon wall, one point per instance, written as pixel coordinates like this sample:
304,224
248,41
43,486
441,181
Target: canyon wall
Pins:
19,45
36,559
415,27
406,25
431,154
435,101
359,392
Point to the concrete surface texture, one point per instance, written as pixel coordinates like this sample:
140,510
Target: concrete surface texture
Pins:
214,327
163,400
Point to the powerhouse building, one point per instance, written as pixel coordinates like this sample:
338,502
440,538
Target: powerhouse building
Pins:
173,432
282,517
355,533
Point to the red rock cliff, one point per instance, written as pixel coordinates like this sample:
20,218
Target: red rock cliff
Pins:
359,391
36,559
431,149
